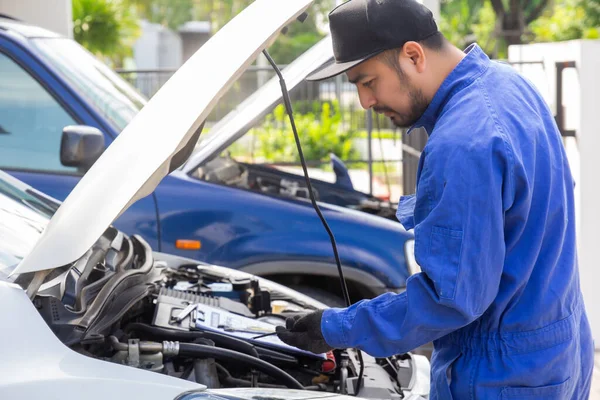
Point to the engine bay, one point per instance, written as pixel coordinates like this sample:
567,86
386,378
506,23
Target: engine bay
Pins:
124,304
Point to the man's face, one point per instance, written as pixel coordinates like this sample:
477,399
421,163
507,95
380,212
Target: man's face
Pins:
388,90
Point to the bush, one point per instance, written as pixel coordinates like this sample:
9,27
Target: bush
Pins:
319,132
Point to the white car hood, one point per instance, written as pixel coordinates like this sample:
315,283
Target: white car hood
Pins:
238,121
160,137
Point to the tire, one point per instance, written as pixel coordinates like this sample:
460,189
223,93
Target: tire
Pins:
329,299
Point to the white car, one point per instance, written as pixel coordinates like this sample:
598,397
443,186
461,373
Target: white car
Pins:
89,313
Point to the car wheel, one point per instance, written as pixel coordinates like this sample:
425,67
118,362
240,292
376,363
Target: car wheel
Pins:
330,299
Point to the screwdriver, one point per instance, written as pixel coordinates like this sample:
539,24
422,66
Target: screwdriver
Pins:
269,334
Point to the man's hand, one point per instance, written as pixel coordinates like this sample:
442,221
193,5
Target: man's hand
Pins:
304,332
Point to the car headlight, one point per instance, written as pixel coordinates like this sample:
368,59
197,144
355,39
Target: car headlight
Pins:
200,394
409,255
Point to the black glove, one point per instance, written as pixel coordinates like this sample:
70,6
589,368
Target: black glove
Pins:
304,332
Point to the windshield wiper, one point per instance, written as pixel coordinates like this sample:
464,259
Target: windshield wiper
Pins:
45,205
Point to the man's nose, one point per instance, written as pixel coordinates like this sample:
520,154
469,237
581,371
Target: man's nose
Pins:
367,100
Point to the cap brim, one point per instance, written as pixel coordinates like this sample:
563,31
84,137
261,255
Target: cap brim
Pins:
333,69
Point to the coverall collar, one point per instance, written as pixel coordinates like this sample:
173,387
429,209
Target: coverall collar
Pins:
468,69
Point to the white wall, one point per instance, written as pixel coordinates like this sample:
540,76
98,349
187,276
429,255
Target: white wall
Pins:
54,15
170,50
434,6
157,48
581,97
145,48
589,147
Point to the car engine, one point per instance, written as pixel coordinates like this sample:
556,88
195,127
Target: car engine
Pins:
271,181
227,171
123,303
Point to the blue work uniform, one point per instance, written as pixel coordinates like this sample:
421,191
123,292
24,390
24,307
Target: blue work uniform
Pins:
494,223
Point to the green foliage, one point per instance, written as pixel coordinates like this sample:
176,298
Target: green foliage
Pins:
173,13
288,47
169,13
106,28
467,21
457,19
218,12
484,31
319,133
301,36
592,12
569,20
494,24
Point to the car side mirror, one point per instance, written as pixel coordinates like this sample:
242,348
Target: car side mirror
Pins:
81,146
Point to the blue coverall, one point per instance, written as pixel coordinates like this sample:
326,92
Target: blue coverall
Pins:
494,225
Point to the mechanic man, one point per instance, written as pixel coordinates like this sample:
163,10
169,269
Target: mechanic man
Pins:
493,218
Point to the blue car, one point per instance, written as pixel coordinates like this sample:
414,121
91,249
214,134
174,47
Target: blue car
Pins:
60,108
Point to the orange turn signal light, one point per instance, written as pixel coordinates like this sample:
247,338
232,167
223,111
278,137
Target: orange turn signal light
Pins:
183,244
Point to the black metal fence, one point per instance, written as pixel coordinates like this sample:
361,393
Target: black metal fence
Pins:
148,82
304,97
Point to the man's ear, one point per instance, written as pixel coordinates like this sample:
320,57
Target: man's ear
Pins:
415,53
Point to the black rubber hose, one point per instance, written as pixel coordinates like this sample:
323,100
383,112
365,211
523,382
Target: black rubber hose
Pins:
173,334
198,350
231,381
244,383
275,357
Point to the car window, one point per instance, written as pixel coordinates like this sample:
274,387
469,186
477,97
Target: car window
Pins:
108,93
31,122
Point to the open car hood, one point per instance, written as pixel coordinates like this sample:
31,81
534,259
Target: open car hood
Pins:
238,121
161,136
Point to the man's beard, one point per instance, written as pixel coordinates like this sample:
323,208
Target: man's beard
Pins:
418,104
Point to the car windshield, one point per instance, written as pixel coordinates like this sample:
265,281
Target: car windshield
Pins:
23,216
111,95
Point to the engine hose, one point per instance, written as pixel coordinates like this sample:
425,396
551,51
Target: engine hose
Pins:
173,334
198,350
276,357
236,382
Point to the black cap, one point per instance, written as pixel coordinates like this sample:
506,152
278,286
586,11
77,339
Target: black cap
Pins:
361,29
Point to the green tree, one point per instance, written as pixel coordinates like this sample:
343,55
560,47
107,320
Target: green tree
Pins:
320,133
485,32
302,36
592,12
494,24
173,13
457,20
219,12
568,20
514,16
169,13
106,28
299,37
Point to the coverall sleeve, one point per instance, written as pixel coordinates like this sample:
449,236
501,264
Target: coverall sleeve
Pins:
459,244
